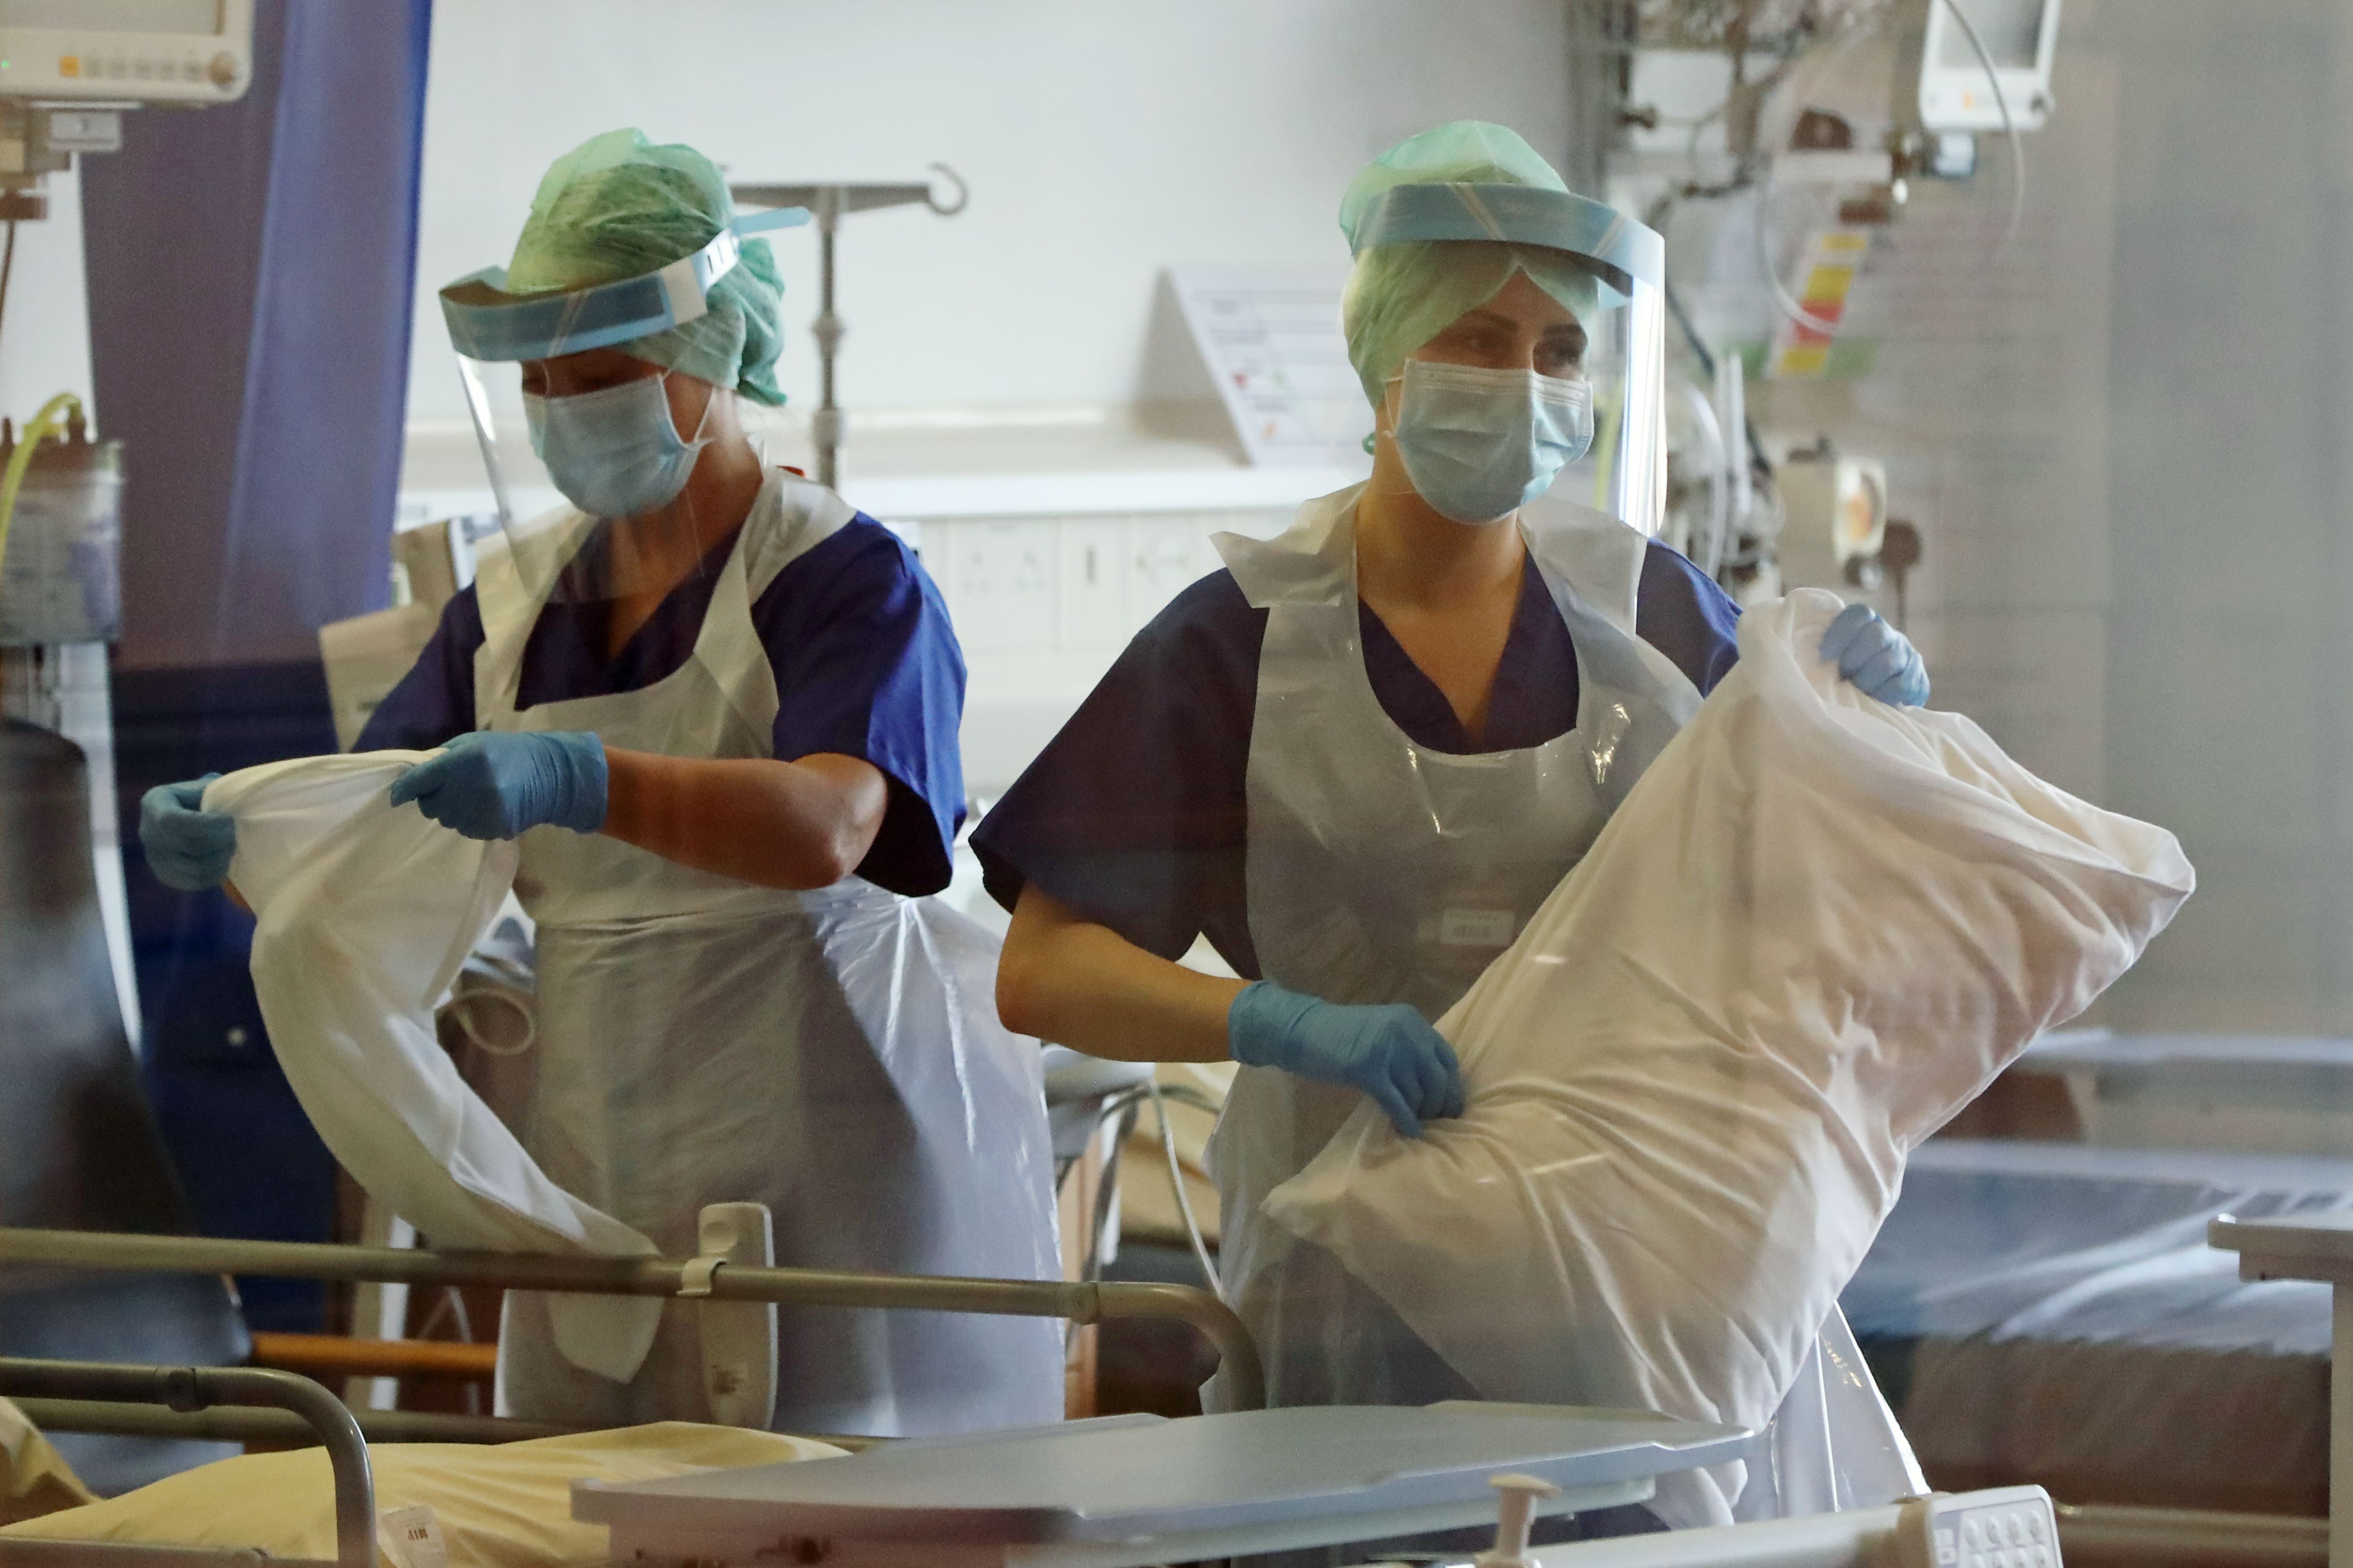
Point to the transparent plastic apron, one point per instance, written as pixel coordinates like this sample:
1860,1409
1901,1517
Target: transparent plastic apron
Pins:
833,1054
1379,872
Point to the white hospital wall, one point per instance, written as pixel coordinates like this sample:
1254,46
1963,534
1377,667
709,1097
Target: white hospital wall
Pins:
1104,141
2138,571
2231,387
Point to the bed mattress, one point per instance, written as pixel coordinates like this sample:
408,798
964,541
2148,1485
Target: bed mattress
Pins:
2051,1313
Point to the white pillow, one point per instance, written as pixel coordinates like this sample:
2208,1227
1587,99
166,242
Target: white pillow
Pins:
1817,927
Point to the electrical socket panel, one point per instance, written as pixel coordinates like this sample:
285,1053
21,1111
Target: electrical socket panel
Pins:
1000,579
1072,585
2003,1527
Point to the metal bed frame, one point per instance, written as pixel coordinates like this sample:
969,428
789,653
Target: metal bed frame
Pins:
246,1403
191,1389
280,1408
1080,1301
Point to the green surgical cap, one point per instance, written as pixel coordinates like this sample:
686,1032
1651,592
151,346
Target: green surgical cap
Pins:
617,206
1401,296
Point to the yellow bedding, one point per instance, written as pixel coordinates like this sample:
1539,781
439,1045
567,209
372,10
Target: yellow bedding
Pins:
499,1507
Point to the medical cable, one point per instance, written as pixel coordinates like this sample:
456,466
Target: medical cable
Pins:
7,266
49,424
462,1008
1753,452
1184,1198
1786,302
452,1305
1122,1109
2009,124
1675,306
1789,304
1657,218
1719,510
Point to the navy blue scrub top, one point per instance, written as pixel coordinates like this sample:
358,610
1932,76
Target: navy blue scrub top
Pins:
1135,815
866,663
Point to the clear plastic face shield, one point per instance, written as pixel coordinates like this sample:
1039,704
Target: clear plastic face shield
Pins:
1542,371
618,435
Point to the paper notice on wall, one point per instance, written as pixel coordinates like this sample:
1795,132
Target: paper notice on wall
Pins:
1272,344
1825,277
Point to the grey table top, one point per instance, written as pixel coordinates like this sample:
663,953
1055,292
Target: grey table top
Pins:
1122,1478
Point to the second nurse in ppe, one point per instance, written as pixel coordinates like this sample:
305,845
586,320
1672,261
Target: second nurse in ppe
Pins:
1361,755
718,708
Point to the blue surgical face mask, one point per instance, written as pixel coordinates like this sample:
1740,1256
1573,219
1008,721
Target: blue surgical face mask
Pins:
614,452
1479,444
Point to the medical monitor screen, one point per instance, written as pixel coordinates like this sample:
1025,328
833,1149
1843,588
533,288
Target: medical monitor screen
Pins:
199,17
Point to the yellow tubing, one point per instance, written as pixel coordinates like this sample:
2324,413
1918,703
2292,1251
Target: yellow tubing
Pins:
47,425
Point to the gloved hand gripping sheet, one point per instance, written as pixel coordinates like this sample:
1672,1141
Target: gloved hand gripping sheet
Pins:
1815,929
348,974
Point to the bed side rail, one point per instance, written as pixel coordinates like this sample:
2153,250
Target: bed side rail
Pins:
195,1388
1084,1301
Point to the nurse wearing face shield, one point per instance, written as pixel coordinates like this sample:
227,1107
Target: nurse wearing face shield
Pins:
718,706
1358,757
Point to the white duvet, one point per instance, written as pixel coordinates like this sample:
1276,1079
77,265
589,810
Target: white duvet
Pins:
365,915
1816,929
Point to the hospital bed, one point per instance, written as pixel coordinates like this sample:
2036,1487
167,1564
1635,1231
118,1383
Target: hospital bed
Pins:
2053,1312
1116,1493
253,1406
2278,1094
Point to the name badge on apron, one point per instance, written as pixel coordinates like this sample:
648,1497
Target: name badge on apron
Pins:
1489,930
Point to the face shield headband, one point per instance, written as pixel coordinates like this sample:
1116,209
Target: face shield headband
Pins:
487,323
1523,215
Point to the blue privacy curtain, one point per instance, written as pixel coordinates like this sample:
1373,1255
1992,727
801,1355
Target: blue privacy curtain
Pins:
251,270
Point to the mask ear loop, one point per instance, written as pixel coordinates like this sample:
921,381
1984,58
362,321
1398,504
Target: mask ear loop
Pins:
698,444
697,441
1385,420
1394,384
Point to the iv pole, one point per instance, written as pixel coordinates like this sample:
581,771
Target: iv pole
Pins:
831,203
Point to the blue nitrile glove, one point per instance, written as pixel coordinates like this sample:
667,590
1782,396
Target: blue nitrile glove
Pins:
189,847
1876,659
495,784
1390,1051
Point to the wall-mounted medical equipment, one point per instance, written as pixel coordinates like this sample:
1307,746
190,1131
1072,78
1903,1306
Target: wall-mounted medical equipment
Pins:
127,51
69,68
831,201
1834,516
1974,65
1773,140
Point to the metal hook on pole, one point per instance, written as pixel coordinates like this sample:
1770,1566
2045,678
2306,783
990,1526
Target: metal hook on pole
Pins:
962,193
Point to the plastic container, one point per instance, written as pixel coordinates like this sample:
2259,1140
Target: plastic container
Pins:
61,579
